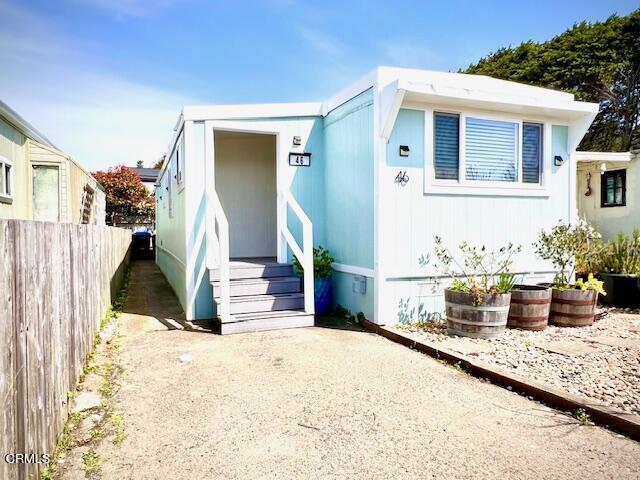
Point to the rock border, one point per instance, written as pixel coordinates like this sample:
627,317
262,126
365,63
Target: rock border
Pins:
602,414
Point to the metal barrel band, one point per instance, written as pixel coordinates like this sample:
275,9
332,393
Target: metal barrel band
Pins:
480,308
516,318
534,301
476,323
576,303
572,315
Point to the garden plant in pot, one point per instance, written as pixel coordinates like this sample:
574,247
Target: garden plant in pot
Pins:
322,271
572,304
477,301
619,268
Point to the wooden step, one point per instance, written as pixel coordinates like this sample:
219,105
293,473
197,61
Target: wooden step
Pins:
242,270
266,303
260,286
256,322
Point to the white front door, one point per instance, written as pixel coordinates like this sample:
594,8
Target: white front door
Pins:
245,176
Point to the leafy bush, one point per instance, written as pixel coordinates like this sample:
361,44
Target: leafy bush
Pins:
620,255
567,245
322,262
591,284
478,271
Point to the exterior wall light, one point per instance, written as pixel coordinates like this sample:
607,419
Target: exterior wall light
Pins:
558,160
404,150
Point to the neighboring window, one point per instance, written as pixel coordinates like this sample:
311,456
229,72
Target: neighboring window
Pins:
491,150
179,161
87,204
6,180
170,192
446,146
531,152
613,188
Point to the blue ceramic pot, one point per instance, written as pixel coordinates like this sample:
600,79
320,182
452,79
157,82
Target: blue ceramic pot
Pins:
322,294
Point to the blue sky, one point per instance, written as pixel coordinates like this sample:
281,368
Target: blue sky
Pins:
105,79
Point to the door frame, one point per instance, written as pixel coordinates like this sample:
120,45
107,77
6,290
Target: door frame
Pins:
239,126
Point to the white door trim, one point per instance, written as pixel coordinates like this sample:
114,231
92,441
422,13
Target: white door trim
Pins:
240,126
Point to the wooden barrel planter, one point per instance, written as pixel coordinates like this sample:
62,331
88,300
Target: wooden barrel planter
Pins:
572,308
487,320
529,308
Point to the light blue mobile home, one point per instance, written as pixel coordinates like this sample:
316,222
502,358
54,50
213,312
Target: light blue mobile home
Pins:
372,174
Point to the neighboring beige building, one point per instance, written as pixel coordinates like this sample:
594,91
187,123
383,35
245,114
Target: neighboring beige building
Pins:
39,182
608,190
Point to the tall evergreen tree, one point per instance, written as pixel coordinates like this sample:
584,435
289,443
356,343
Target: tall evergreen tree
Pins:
598,62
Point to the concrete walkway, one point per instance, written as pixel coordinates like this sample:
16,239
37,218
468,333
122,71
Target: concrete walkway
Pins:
326,403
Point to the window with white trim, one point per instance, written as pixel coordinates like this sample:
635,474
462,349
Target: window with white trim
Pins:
6,179
471,150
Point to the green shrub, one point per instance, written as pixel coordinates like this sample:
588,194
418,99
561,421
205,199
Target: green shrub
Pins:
322,262
621,255
477,271
568,246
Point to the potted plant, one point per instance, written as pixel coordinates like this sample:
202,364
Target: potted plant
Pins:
618,266
322,271
477,301
572,304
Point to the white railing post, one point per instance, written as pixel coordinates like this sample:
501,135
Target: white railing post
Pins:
304,254
224,305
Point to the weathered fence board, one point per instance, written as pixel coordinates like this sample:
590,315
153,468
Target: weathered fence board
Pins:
56,282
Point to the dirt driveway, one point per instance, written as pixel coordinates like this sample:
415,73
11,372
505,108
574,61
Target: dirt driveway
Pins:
326,403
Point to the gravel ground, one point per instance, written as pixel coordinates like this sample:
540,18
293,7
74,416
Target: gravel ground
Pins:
601,361
327,403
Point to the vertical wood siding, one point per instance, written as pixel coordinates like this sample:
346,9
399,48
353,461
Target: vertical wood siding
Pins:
47,325
349,181
413,219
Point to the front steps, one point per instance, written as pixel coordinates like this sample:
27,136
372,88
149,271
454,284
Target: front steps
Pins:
265,295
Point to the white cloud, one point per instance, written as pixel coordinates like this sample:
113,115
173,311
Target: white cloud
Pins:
99,118
412,54
129,8
323,42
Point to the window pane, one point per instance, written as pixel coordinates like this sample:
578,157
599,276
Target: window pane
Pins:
491,148
7,179
2,181
446,154
531,152
618,196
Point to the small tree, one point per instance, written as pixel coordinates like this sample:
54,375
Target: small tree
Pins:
565,244
125,192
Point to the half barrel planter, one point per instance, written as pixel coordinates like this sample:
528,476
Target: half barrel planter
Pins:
486,320
573,308
530,305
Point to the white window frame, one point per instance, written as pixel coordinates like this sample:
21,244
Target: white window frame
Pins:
7,197
463,186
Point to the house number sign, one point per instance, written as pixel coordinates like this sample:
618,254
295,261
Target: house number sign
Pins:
300,159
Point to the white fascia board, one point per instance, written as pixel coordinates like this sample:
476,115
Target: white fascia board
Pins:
362,84
250,111
562,106
602,156
390,101
23,126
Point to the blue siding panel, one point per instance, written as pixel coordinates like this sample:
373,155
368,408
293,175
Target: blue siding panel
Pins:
408,130
348,147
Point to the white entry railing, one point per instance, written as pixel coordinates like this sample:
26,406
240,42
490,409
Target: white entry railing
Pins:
304,254
221,224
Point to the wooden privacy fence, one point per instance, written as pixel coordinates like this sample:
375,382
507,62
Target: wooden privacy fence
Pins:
56,283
